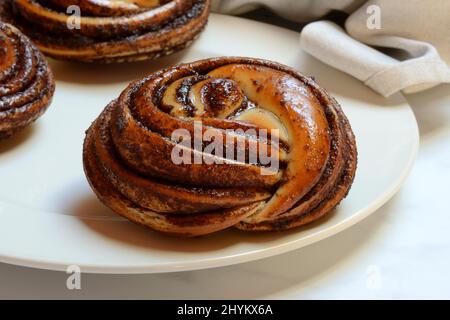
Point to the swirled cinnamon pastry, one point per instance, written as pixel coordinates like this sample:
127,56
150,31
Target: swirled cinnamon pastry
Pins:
111,30
26,82
6,15
222,142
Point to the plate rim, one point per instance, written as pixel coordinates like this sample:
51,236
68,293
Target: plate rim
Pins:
254,255
224,261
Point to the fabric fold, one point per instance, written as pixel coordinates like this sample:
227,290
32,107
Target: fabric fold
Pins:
331,44
391,46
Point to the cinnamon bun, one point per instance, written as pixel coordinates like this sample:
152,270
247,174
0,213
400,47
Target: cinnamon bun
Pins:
26,82
111,31
131,154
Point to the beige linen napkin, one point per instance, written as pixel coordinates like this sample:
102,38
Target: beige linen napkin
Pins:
392,46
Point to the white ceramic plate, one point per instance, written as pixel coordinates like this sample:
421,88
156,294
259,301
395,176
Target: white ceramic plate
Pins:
51,219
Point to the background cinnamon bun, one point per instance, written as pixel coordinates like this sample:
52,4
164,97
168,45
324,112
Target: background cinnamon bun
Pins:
111,31
128,150
26,82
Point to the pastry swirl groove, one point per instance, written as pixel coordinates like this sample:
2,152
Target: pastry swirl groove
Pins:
128,149
26,82
111,31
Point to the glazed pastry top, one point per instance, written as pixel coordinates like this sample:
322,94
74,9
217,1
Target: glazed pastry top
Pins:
241,104
241,94
104,19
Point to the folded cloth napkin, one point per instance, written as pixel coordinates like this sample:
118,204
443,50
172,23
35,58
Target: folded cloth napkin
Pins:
391,46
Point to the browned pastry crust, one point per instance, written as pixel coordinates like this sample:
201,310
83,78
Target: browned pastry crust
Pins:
26,82
6,14
111,31
127,150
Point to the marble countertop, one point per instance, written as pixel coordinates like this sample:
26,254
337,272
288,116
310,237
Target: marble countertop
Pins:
400,251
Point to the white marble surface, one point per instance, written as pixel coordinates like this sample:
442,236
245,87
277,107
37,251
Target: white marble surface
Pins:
401,251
